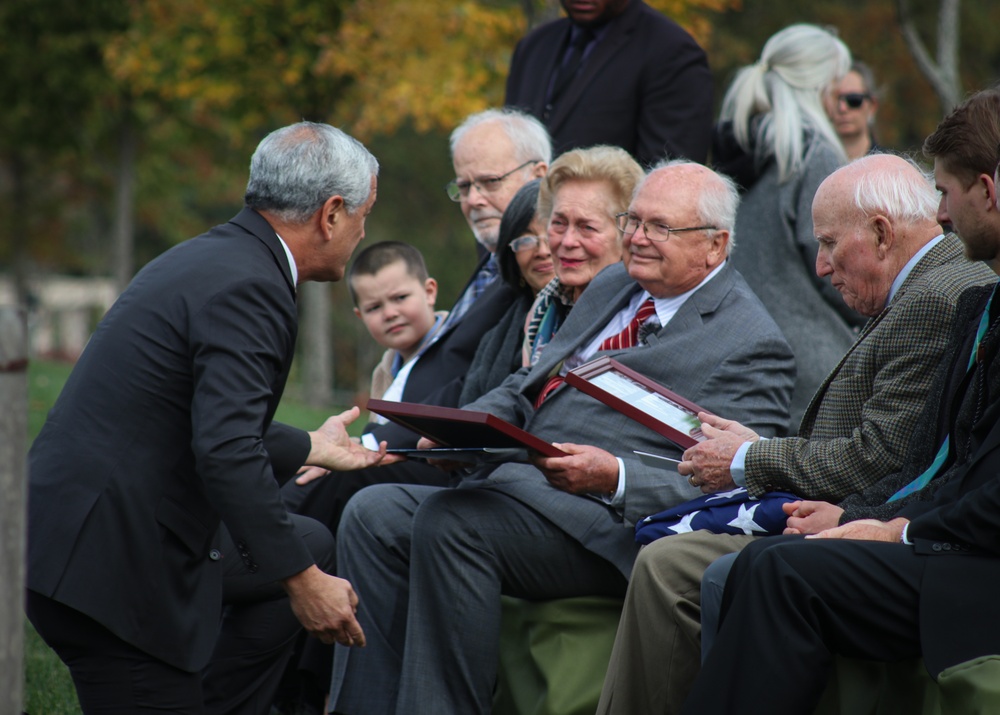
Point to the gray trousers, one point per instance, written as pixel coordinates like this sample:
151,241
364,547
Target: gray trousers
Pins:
656,655
429,566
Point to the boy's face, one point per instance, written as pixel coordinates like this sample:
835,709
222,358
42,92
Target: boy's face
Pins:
396,307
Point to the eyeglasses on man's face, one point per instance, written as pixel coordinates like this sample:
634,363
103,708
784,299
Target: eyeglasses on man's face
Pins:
458,189
527,242
853,100
654,230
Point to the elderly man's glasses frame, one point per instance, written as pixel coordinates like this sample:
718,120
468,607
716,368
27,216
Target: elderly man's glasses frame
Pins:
459,189
628,225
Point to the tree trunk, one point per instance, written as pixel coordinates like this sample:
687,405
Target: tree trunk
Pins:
317,353
124,220
19,231
942,72
13,439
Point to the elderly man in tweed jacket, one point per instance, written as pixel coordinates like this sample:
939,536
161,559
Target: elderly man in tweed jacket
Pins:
882,247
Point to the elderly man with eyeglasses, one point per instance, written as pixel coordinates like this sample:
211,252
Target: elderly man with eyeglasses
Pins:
432,563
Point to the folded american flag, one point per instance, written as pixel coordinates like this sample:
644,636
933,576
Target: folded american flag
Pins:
732,512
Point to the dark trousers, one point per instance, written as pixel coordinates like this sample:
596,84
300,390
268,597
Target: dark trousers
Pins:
790,605
255,642
308,678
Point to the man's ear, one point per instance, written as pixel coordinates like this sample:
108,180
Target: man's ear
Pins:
357,311
717,250
334,209
885,235
540,169
989,184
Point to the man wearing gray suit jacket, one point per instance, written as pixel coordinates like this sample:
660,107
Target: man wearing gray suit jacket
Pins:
431,563
882,246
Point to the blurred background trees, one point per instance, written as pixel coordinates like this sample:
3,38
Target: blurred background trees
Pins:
128,124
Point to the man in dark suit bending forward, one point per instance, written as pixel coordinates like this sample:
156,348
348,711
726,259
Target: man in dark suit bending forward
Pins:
164,430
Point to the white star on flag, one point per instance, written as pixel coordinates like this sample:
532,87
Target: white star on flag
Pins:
744,520
684,525
727,495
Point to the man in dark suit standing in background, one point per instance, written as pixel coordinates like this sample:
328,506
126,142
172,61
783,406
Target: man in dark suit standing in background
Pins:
923,583
164,431
616,72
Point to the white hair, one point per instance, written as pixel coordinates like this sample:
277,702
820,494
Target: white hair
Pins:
295,169
906,197
528,135
717,203
784,88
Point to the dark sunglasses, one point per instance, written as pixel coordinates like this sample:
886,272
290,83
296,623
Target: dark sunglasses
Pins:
853,100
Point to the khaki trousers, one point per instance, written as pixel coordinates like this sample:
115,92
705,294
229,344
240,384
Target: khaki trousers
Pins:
657,651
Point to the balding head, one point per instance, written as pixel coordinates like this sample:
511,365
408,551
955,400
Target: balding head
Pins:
870,218
699,208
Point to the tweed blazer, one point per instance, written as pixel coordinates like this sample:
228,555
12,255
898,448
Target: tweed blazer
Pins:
721,350
857,428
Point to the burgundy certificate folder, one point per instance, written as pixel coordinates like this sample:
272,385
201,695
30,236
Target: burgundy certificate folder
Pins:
465,430
644,400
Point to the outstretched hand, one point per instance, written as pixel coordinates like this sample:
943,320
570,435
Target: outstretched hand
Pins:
333,449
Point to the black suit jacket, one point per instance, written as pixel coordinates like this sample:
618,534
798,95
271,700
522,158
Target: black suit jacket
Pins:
960,527
161,431
438,375
645,87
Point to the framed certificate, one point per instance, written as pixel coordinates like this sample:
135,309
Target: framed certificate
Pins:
465,429
644,400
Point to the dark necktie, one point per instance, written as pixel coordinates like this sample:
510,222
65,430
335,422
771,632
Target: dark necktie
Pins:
571,63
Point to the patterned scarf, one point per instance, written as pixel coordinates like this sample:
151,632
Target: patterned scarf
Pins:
551,306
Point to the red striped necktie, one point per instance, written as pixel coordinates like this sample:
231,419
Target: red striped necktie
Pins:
629,337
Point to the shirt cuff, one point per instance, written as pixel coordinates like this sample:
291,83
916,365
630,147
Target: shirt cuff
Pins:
618,498
369,441
738,467
905,536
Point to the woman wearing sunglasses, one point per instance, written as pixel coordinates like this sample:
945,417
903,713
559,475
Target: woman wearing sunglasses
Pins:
852,110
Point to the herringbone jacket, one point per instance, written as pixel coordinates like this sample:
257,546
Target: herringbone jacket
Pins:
859,424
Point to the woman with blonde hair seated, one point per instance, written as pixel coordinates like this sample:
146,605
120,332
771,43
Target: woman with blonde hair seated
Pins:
579,199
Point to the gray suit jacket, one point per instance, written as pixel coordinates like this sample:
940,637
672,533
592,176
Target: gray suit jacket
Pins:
721,350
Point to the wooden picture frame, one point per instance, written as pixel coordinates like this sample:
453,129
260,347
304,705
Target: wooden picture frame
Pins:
644,400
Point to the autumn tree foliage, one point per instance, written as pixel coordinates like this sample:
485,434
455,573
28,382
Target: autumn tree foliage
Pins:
434,62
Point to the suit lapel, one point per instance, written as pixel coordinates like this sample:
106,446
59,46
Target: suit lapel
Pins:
252,222
603,298
551,56
948,249
612,43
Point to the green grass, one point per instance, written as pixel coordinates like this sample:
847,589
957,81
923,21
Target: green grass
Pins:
48,686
